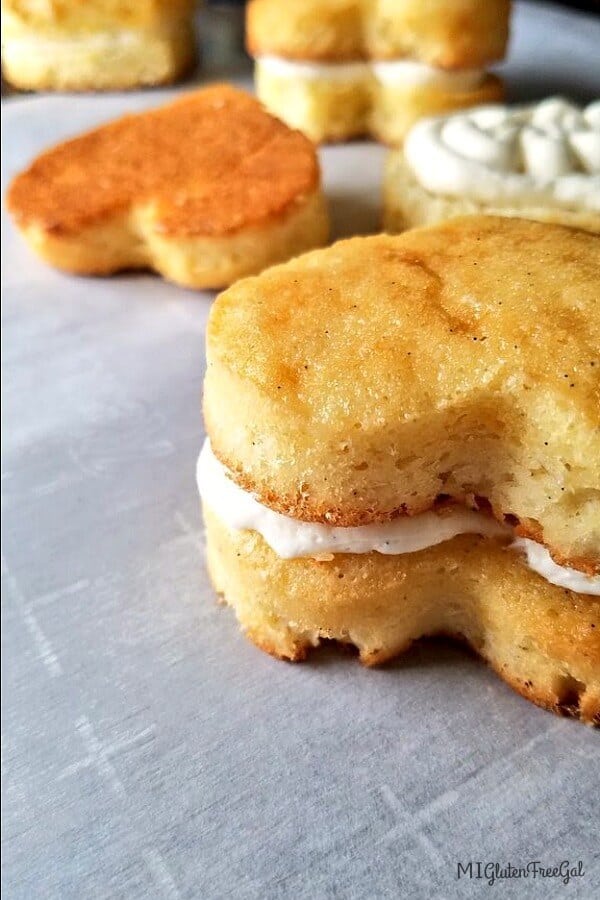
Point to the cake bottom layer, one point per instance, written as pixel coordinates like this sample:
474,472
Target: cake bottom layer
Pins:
542,640
327,109
132,241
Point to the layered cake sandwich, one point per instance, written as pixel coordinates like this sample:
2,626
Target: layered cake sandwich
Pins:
203,190
540,161
404,440
337,69
86,45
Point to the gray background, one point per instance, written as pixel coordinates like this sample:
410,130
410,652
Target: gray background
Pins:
148,750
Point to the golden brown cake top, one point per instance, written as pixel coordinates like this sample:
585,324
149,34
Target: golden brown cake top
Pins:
92,15
446,33
400,326
366,380
210,163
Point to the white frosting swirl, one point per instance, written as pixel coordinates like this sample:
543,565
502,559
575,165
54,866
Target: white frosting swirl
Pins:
290,538
547,153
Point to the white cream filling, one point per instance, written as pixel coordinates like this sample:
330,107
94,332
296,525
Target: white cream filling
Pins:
541,562
546,153
402,72
289,538
313,71
394,73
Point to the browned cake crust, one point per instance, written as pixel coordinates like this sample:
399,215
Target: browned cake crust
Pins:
210,163
211,166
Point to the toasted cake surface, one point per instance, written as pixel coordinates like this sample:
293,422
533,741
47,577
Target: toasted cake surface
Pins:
447,33
543,640
360,382
211,163
91,15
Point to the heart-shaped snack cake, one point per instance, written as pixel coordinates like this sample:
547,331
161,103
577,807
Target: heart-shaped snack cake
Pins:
203,190
90,45
405,441
540,161
337,69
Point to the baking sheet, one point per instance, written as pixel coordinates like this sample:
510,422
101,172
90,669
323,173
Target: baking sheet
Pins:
151,752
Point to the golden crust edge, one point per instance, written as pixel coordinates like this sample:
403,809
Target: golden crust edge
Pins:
588,711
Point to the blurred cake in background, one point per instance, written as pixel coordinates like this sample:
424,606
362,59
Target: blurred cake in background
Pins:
337,69
96,44
539,161
204,190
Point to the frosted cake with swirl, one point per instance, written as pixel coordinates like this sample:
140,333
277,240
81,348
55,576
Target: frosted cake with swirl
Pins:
540,161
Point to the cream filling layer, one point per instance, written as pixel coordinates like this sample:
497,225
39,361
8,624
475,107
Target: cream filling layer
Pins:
289,538
547,153
392,73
